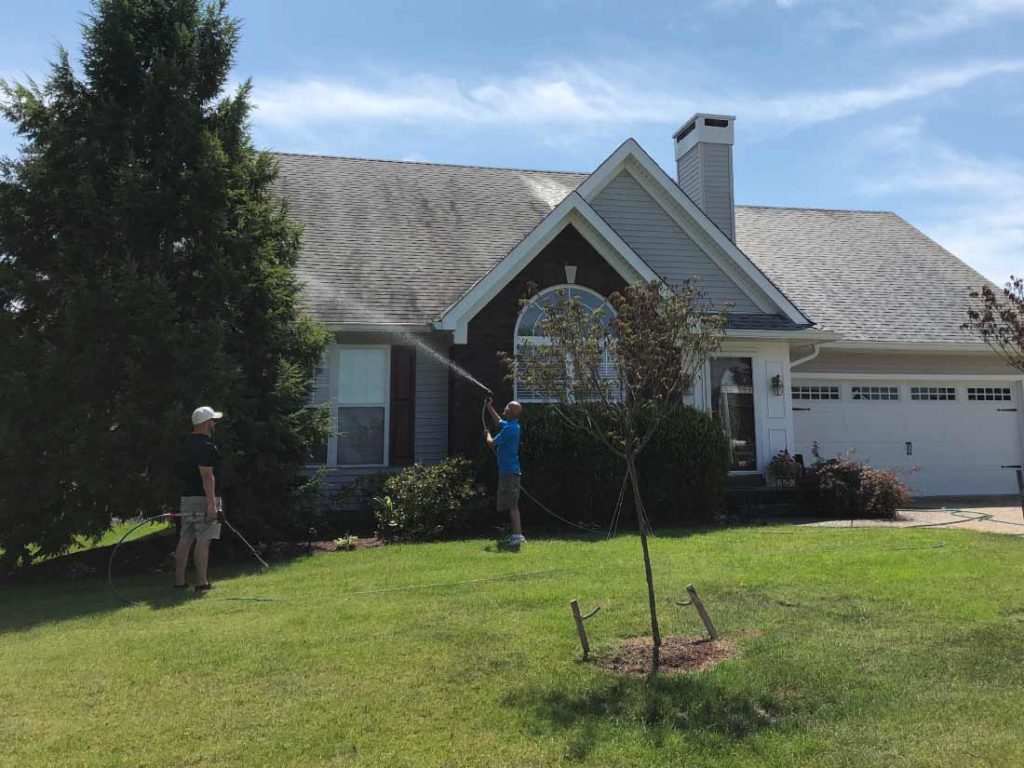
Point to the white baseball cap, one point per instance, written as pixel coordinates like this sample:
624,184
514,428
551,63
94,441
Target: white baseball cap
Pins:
205,413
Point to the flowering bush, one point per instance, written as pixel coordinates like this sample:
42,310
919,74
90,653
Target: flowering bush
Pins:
842,487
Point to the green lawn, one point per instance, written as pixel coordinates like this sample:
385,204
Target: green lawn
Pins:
860,647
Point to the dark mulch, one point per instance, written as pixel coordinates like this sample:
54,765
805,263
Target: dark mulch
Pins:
679,655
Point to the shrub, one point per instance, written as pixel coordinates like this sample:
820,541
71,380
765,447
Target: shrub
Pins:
423,502
783,469
683,470
842,487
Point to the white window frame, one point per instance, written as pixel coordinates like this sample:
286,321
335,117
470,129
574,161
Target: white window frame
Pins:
540,341
866,397
339,404
998,394
934,393
822,393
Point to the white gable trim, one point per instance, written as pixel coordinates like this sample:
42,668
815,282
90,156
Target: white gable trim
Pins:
572,210
630,150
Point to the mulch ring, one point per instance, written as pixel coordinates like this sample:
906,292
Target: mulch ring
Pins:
679,655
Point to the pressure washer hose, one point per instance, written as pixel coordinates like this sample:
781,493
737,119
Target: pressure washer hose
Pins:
581,527
170,516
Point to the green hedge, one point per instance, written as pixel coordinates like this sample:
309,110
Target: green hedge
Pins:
683,471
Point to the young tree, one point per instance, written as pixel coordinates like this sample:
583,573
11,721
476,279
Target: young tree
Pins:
998,318
145,269
618,375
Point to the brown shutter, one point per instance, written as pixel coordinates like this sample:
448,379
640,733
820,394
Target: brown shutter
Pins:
403,406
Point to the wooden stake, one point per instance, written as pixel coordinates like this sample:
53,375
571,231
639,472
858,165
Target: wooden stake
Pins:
695,599
579,628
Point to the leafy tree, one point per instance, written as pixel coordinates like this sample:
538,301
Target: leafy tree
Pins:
998,318
618,376
145,268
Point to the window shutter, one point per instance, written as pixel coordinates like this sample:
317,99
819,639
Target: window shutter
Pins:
403,406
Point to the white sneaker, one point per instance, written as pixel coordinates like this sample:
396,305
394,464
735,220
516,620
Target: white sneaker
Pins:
516,539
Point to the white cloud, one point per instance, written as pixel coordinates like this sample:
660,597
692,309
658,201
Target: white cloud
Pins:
953,16
578,95
971,205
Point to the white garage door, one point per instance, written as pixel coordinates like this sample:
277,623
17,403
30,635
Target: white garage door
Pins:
944,438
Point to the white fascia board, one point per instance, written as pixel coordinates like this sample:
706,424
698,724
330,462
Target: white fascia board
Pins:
800,337
379,327
818,375
573,209
605,172
966,348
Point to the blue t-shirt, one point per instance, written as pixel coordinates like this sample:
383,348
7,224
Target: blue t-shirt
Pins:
507,443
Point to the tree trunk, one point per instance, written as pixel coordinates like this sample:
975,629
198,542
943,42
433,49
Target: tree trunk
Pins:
638,502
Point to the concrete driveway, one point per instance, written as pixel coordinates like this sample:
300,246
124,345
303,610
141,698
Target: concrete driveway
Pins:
1000,515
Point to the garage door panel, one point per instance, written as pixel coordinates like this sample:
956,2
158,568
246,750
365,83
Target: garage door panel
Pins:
957,445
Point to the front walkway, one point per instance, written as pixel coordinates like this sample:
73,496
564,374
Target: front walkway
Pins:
971,515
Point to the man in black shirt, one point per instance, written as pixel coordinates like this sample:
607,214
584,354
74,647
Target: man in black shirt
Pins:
200,506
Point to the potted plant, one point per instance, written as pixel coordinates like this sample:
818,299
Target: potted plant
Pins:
784,470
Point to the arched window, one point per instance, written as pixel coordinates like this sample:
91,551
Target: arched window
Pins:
530,323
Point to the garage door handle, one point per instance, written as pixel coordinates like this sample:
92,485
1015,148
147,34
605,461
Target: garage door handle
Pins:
1007,410
801,409
1011,466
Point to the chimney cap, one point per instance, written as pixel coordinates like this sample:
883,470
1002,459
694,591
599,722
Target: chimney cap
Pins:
704,127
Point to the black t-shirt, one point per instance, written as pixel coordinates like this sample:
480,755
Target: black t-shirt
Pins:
200,451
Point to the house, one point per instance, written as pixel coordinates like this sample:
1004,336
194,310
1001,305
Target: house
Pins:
844,333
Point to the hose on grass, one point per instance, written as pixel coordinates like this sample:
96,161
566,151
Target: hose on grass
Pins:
171,516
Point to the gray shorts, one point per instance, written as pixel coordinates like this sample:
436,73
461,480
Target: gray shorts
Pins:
194,524
508,492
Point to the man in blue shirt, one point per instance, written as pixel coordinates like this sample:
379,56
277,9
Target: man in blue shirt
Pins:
506,442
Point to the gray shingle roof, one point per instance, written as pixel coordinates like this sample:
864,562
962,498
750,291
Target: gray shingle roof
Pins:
400,242
867,275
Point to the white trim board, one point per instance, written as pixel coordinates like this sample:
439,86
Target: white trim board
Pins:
630,150
572,210
818,376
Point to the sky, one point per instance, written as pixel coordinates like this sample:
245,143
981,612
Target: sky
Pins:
915,107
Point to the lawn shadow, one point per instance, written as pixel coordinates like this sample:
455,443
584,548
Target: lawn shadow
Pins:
697,705
75,585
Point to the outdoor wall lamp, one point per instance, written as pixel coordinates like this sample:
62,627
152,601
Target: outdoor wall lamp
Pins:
778,388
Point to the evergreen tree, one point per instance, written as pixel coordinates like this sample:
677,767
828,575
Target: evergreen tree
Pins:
145,268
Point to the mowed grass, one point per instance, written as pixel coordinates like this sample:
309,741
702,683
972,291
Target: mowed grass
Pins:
859,647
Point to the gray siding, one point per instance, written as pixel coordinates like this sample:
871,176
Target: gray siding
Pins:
431,441
842,362
669,251
716,167
431,405
705,175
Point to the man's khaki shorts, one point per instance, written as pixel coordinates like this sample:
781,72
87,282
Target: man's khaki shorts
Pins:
194,524
508,492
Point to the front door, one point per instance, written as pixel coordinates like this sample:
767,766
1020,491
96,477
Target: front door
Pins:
732,401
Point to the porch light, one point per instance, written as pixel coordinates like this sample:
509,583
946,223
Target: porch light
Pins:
778,388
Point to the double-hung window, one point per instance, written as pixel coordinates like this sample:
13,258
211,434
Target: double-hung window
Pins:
363,397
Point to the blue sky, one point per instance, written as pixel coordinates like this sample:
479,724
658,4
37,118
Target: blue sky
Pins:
915,106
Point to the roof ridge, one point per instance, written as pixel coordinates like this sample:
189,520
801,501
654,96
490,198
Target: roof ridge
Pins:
427,162
810,208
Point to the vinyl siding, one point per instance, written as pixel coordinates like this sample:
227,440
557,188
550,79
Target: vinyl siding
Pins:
431,406
716,168
669,251
431,438
882,363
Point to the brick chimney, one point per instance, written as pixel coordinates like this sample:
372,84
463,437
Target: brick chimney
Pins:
704,167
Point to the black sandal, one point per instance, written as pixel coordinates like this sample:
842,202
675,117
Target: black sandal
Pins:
204,587
181,586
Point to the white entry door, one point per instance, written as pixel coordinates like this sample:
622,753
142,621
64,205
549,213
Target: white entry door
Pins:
944,438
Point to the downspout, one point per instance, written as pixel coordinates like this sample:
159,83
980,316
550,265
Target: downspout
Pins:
807,358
